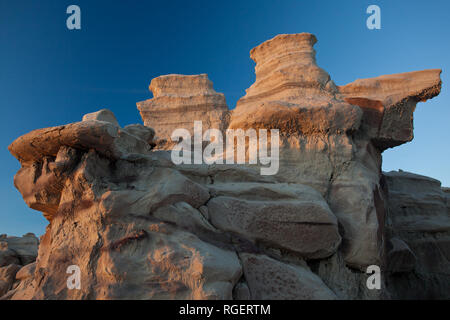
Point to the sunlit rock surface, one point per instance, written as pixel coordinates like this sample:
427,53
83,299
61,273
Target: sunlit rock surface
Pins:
140,227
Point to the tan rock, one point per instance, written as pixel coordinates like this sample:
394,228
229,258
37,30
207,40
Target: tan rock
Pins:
329,139
292,94
178,101
291,217
389,102
26,272
106,138
101,115
142,132
140,227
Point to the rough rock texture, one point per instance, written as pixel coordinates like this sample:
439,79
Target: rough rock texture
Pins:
7,276
15,252
140,227
326,139
419,217
291,217
272,280
389,102
178,101
18,250
101,115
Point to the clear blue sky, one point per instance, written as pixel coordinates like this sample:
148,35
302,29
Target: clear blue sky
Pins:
51,76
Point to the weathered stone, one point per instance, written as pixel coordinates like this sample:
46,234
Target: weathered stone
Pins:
26,272
399,256
102,115
178,101
7,256
24,249
241,291
418,215
142,132
389,102
7,276
291,217
270,279
140,227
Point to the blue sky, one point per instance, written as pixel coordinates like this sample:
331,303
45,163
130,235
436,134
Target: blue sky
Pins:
50,75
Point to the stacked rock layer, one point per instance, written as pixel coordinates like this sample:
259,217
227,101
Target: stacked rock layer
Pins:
140,227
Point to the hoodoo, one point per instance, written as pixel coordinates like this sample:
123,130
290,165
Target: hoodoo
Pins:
139,226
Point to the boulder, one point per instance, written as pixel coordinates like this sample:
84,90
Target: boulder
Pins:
7,276
269,279
294,218
102,115
418,216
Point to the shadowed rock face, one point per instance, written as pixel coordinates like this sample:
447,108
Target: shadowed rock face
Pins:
418,216
16,254
140,227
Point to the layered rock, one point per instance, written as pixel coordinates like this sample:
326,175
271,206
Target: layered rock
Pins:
178,101
140,227
18,250
329,139
16,253
269,279
389,102
293,217
419,220
292,94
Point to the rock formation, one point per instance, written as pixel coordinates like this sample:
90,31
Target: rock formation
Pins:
178,101
418,225
140,227
16,254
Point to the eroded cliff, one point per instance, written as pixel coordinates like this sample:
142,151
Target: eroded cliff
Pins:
140,227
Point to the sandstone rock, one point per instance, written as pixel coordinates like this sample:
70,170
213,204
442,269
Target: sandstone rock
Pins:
418,215
389,102
26,272
400,257
178,101
274,280
18,250
140,227
348,283
329,139
7,256
7,276
142,132
102,115
241,292
106,138
108,221
292,94
184,216
291,217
